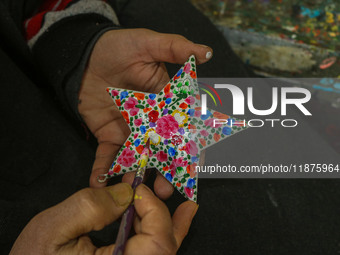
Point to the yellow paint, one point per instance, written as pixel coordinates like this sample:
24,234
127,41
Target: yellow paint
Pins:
335,28
180,117
329,17
138,197
143,161
155,139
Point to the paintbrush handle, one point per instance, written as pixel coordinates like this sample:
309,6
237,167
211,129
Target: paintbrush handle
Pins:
124,230
127,220
136,181
129,215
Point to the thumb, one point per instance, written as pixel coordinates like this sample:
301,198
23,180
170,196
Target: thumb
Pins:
88,210
182,219
177,49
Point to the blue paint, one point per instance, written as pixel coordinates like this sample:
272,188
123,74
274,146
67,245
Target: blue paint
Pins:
191,183
179,72
206,116
226,130
152,96
123,95
194,159
171,152
137,142
326,81
310,13
168,101
230,122
325,89
191,112
168,177
337,86
143,129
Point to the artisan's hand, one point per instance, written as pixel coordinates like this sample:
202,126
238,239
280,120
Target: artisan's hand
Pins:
62,229
131,59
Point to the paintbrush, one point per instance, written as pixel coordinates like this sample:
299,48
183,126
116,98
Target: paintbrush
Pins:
128,216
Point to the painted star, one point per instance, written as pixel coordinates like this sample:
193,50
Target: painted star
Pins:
177,130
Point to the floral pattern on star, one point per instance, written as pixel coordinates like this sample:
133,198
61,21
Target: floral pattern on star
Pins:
177,130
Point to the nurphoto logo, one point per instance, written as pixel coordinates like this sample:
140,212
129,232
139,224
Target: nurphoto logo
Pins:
239,104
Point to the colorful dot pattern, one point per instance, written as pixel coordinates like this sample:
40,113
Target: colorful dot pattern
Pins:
177,130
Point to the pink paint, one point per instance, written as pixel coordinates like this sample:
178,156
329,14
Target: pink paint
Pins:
189,192
151,102
167,126
327,63
187,68
162,156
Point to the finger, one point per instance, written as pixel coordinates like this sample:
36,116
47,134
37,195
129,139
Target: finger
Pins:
154,83
160,84
156,234
177,49
137,226
182,219
85,211
106,250
202,158
110,137
129,177
153,212
106,152
163,188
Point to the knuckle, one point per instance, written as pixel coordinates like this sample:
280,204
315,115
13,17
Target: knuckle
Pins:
181,37
87,203
166,245
171,49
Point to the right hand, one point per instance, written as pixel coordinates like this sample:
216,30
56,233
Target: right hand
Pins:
63,229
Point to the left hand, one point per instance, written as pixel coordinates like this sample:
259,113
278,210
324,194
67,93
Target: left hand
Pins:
131,59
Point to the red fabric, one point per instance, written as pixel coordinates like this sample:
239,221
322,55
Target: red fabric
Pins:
33,25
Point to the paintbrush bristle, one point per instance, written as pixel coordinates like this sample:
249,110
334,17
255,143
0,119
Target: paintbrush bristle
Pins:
147,145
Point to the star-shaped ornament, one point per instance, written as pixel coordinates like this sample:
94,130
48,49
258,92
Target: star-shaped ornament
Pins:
178,131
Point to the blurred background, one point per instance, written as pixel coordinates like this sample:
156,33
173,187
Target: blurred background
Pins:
301,37
288,39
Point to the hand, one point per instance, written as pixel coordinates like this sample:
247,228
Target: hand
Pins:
62,229
131,59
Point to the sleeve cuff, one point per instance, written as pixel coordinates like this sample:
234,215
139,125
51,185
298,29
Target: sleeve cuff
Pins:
62,52
73,83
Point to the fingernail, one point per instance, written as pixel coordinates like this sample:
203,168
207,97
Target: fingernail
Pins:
208,55
143,187
121,193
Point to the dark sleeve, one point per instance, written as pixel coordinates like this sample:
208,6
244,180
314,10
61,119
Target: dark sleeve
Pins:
61,36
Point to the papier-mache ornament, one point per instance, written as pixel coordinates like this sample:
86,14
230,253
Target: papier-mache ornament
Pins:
177,129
